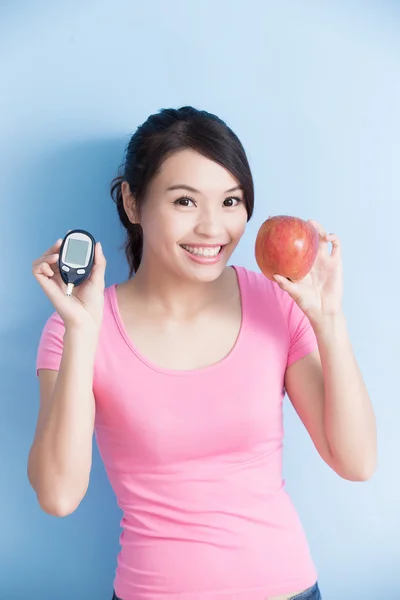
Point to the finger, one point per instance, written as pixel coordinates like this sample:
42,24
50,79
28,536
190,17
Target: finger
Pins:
54,248
44,264
285,284
52,251
336,244
43,269
99,265
321,232
46,258
44,275
318,227
323,242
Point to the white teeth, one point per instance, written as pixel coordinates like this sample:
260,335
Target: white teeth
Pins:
202,251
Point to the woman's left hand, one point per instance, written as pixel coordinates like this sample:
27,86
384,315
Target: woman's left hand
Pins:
319,293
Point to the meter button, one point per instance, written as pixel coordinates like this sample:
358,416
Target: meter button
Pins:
81,271
65,268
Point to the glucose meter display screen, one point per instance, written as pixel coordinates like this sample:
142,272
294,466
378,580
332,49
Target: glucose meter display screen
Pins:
76,252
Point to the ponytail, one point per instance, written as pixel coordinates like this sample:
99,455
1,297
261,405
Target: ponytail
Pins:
133,244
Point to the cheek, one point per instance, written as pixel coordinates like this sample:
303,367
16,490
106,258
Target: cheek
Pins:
239,224
161,232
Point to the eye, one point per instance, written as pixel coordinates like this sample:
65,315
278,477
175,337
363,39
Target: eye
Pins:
184,201
231,200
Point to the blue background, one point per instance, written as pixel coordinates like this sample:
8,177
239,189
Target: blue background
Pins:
313,91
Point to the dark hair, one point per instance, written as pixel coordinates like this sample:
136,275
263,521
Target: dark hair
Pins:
161,134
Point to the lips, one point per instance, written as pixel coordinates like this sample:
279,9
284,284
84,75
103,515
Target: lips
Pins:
203,254
206,251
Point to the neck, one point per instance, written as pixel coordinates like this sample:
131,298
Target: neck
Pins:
172,296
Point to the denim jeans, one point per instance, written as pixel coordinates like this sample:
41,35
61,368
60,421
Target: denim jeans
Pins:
312,593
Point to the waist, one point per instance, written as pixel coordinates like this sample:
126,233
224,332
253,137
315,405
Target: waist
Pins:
310,593
259,551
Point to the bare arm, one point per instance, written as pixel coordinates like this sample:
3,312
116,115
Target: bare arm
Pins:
327,391
61,454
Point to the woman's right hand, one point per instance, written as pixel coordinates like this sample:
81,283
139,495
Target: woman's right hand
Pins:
85,305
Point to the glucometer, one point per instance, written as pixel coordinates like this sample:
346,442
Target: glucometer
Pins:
76,258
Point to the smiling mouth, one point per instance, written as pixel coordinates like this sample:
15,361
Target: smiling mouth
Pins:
206,251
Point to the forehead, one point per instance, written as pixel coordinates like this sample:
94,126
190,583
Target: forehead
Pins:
192,168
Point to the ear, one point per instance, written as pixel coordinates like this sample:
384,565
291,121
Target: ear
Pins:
129,203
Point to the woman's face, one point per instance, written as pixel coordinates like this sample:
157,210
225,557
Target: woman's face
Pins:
193,217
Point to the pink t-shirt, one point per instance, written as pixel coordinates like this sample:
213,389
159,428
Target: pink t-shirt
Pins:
195,457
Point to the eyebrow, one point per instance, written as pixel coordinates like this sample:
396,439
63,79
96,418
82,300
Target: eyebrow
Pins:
182,186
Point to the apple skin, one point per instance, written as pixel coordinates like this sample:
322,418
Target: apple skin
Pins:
286,246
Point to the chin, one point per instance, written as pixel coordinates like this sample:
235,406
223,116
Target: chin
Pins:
199,269
209,275
205,273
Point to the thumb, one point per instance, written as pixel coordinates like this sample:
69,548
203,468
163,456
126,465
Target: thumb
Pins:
99,265
285,284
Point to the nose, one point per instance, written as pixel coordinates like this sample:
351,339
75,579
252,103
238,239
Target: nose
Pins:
210,225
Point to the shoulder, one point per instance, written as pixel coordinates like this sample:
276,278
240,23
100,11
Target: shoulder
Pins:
51,342
269,304
255,285
264,296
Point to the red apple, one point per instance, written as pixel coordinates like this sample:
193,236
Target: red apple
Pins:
286,246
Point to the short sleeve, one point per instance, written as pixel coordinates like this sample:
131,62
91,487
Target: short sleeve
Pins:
51,344
302,337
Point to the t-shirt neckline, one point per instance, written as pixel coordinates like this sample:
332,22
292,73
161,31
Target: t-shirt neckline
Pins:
184,372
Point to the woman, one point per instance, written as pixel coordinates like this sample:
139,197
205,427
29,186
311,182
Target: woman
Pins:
181,371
